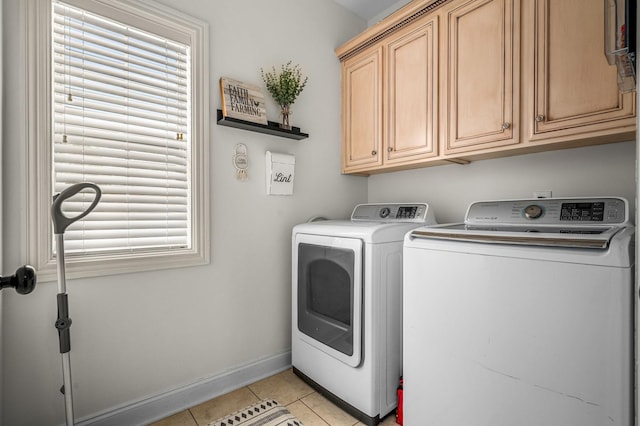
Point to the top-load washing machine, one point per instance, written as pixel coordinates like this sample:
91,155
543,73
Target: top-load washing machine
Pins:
522,315
347,305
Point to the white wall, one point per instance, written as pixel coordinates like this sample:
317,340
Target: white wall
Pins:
591,171
1,266
139,335
388,11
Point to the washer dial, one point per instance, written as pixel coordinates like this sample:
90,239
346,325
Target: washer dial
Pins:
533,211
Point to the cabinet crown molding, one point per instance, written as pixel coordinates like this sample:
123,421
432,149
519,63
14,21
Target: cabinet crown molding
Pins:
397,20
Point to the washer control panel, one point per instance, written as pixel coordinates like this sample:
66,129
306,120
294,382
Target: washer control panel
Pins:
550,211
409,212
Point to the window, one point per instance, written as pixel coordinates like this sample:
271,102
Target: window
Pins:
127,109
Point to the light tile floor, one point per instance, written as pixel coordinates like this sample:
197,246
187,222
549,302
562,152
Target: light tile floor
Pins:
303,401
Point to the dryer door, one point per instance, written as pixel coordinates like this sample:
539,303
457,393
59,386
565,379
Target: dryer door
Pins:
328,295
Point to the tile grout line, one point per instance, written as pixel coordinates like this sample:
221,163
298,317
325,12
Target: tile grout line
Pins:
193,417
254,394
313,411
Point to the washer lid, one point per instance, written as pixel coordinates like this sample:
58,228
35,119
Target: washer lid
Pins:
589,238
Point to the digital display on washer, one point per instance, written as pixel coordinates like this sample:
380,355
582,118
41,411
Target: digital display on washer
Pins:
582,212
407,212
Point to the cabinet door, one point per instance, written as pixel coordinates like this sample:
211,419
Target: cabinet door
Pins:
362,111
412,95
574,88
481,74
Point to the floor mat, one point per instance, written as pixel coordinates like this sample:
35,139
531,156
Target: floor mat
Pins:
267,412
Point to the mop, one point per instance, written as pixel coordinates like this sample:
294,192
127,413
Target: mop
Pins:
63,323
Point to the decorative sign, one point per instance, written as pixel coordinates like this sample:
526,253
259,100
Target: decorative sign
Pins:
242,101
280,170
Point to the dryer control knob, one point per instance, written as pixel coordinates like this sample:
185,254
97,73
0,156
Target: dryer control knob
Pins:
384,212
533,211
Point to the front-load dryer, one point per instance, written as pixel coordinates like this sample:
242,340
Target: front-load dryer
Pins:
347,305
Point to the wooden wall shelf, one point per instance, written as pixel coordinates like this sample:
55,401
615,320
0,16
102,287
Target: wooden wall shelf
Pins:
272,128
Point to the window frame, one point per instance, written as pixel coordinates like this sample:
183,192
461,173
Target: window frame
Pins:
146,16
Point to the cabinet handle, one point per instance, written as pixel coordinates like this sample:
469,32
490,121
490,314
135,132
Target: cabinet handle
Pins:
374,152
539,118
390,149
506,126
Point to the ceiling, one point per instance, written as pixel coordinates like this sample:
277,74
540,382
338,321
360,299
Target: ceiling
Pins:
368,9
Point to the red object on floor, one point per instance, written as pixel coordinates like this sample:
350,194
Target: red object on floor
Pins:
399,413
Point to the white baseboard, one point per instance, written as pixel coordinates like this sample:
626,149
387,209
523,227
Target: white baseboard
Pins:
160,406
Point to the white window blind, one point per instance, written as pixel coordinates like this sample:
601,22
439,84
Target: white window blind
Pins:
121,119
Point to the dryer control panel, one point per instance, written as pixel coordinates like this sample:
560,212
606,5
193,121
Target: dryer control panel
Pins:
409,212
550,211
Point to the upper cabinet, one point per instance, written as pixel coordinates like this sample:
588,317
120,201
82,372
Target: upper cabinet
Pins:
443,81
571,89
412,94
389,100
362,110
480,57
